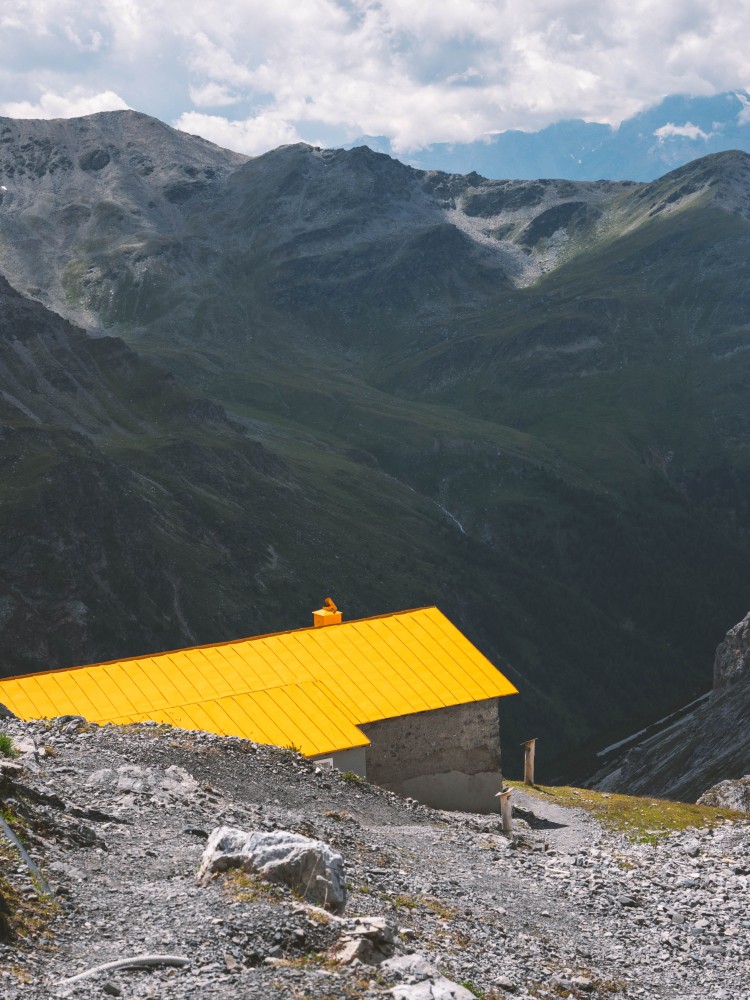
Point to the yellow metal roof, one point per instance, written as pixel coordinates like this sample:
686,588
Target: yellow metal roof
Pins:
309,688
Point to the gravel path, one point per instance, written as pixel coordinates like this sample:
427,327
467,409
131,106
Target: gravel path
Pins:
564,829
119,820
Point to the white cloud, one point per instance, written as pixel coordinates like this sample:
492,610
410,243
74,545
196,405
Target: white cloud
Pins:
743,118
686,131
252,136
70,105
212,95
450,70
90,42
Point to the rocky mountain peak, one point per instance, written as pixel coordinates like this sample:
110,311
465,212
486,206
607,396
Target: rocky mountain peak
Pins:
732,663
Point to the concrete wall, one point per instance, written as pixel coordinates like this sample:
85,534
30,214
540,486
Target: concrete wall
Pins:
348,760
448,758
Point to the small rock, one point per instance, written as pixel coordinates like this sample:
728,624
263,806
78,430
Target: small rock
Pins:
582,983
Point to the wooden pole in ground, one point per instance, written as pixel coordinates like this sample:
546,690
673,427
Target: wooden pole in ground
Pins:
506,810
529,748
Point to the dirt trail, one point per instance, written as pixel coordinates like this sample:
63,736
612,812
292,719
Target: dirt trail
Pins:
565,829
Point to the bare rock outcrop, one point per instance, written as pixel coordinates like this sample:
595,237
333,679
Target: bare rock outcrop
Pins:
732,661
705,744
370,940
308,866
729,795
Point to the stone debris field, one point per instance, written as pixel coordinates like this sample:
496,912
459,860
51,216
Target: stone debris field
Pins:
428,904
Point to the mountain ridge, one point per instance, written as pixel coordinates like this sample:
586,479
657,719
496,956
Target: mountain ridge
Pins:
522,401
672,132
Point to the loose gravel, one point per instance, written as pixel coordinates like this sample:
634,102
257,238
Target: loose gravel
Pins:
117,819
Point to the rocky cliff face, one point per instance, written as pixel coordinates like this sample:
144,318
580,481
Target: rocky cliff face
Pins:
732,663
730,794
703,747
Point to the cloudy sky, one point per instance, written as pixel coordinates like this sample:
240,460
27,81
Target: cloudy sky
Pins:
252,74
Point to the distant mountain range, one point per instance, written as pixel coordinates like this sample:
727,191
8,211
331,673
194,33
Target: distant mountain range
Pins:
230,387
668,135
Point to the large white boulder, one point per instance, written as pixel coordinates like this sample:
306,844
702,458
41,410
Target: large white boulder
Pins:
310,867
730,794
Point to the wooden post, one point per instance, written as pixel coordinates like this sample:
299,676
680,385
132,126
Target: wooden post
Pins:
529,748
506,812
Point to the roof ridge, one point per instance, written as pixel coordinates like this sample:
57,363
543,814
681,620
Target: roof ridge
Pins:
212,645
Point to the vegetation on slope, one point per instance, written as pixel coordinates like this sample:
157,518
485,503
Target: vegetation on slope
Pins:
644,820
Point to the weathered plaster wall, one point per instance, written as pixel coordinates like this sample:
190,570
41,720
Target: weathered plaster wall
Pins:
448,758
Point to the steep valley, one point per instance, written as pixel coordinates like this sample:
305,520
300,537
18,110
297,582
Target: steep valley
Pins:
323,371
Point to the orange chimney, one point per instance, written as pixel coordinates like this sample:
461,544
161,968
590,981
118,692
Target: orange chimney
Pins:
329,614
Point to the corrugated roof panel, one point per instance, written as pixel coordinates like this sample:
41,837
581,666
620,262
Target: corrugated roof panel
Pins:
447,675
197,684
243,720
200,718
444,675
180,669
281,730
208,672
412,658
50,697
464,685
260,727
87,697
115,682
262,668
320,693
17,696
224,720
201,678
391,683
494,683
372,677
293,667
232,672
308,723
333,730
142,682
402,663
349,688
341,672
151,682
167,681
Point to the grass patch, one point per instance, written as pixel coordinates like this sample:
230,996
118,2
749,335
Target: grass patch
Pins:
7,746
644,820
404,902
244,887
352,777
439,909
476,991
23,919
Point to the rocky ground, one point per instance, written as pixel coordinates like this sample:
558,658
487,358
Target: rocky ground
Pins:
117,820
